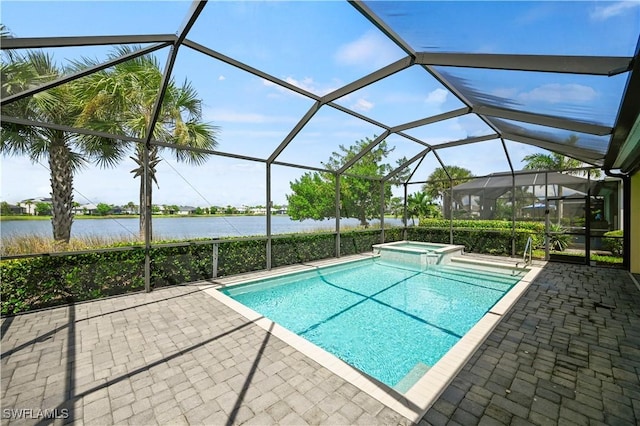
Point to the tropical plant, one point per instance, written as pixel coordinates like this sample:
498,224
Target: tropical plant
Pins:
103,209
558,239
438,184
65,152
121,101
613,242
314,193
559,162
421,205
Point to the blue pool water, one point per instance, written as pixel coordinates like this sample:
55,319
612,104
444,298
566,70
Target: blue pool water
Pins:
385,319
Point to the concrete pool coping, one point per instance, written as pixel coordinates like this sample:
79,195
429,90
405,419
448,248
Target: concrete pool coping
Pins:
418,399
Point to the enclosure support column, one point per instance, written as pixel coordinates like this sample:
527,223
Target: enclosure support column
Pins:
147,218
268,208
587,222
404,214
513,214
546,217
337,206
382,208
450,211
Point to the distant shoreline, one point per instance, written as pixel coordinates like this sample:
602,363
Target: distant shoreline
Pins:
131,216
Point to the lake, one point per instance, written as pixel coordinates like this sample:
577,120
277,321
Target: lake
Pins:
181,227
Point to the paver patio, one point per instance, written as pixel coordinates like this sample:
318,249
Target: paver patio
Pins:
568,352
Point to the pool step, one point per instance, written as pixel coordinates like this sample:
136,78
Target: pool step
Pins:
412,377
467,271
483,265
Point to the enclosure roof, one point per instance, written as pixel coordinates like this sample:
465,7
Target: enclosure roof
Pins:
514,71
477,185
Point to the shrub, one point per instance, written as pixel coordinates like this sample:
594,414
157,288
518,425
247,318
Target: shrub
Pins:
613,242
558,240
43,281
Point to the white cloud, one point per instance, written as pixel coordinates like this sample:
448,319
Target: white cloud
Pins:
362,105
372,48
437,97
602,13
221,78
307,83
556,93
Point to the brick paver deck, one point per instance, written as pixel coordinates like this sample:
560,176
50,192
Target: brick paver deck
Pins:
569,352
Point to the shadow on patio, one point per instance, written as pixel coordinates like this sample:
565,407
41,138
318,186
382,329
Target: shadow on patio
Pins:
174,355
568,352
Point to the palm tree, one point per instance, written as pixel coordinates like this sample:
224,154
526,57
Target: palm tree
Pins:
121,100
420,205
65,152
438,184
559,162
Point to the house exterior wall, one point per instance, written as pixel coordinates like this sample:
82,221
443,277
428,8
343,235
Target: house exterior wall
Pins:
635,224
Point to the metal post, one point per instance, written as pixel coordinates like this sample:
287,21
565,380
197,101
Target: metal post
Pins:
451,211
404,214
268,197
587,222
382,206
337,205
214,260
147,218
546,216
513,213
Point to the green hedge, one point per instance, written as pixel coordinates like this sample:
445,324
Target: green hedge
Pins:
44,281
483,224
489,241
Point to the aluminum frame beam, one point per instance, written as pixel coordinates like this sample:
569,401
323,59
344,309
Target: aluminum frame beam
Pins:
627,116
50,42
83,73
406,164
429,120
375,76
363,152
466,141
542,120
124,138
296,129
590,65
361,7
244,67
580,154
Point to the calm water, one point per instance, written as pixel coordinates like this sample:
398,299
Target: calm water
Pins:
385,320
180,227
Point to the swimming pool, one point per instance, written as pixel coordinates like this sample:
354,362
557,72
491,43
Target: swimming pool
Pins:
389,320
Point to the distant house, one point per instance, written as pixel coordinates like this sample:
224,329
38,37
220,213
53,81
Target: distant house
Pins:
15,210
185,210
279,210
29,204
85,209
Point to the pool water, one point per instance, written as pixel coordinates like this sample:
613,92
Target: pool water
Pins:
416,246
390,321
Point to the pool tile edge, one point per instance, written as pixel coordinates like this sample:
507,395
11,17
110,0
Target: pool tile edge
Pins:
420,397
375,389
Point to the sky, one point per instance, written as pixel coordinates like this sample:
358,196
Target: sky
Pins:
321,46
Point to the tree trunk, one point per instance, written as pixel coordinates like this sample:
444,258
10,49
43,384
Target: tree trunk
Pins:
150,178
61,190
